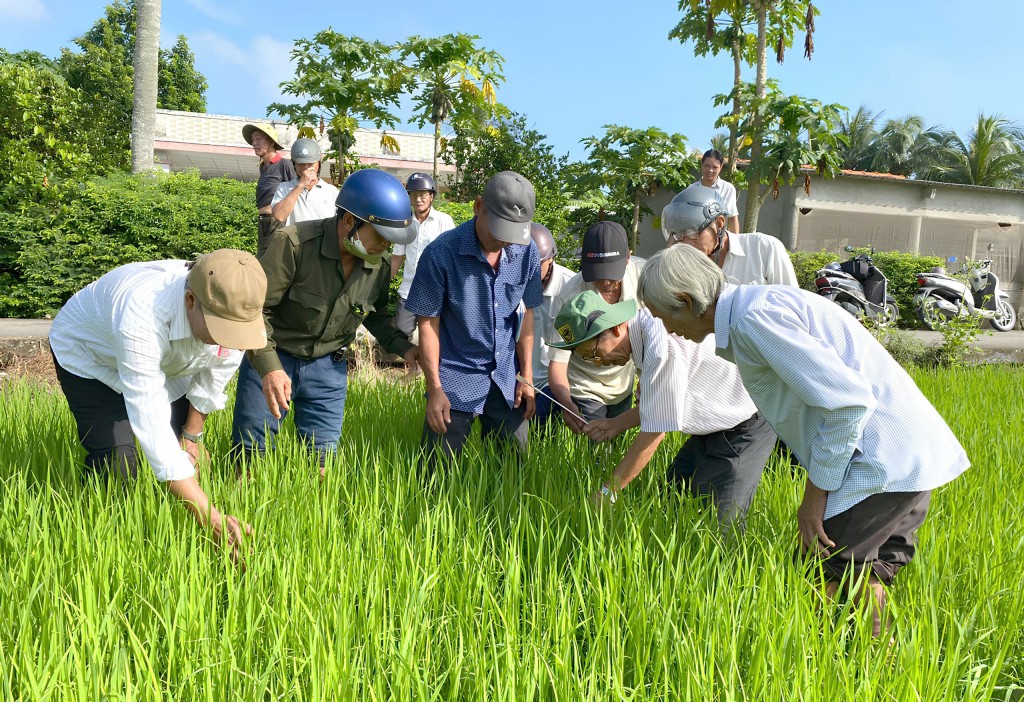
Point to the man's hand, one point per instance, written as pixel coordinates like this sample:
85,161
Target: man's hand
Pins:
601,430
526,397
412,360
575,425
309,179
230,533
197,454
439,411
809,521
605,497
277,388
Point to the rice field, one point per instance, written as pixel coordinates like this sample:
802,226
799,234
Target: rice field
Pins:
498,582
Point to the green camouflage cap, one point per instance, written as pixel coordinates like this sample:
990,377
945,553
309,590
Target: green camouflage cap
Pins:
587,315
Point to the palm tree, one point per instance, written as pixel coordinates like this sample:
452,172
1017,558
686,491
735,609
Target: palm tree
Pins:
145,65
900,146
861,133
992,155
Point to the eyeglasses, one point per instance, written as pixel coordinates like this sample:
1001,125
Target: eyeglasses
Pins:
592,356
679,237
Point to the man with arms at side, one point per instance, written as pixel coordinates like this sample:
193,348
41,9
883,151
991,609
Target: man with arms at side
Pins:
433,223
274,170
324,279
684,387
475,335
597,392
307,196
745,259
873,446
712,187
553,278
145,353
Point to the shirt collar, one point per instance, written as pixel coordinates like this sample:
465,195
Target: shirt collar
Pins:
469,245
723,315
179,326
329,245
736,245
275,158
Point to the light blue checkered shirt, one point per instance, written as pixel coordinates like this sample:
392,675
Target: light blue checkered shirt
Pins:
850,413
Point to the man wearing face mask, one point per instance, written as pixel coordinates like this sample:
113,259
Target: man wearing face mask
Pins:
553,278
324,279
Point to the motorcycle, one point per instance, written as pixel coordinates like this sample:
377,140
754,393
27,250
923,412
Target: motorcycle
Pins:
859,288
974,293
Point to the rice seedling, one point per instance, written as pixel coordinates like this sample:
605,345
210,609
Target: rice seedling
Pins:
496,581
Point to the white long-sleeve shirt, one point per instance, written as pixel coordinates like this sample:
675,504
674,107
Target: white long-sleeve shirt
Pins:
684,386
855,419
758,259
129,330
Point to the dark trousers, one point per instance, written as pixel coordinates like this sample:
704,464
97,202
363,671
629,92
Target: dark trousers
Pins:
498,421
726,466
595,409
103,427
266,227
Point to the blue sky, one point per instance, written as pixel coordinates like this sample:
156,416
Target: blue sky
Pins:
573,66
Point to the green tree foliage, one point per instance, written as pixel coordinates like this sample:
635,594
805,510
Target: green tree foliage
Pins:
992,155
103,223
510,145
181,86
102,69
454,82
343,80
788,133
628,164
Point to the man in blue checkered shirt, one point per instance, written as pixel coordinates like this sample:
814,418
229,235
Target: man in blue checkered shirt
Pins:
474,294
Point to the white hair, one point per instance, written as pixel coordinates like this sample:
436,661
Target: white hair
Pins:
680,269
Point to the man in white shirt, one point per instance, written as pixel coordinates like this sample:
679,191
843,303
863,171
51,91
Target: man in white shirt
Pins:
695,219
145,353
307,196
606,267
553,278
721,191
684,387
422,190
873,446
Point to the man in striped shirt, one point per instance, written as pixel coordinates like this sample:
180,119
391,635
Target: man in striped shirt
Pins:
684,387
873,446
145,353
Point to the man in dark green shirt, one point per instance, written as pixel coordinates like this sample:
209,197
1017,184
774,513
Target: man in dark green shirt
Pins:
324,279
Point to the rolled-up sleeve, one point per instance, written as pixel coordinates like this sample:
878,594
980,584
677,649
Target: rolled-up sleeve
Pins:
208,390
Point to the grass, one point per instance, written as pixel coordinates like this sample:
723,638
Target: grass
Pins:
498,582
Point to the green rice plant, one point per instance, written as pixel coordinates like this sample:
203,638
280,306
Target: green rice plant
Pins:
496,580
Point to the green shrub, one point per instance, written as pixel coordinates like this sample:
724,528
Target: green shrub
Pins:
900,268
105,223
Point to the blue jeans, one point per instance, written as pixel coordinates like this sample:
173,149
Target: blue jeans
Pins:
319,387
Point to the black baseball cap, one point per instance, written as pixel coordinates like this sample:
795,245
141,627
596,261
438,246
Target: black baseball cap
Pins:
605,252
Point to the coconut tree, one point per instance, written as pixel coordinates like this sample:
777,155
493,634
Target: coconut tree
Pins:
991,156
145,76
861,133
901,146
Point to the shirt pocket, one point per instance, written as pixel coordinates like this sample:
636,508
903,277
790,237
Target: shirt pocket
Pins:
308,309
353,313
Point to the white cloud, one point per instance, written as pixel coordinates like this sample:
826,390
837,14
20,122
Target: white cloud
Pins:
24,10
262,62
275,64
214,12
220,46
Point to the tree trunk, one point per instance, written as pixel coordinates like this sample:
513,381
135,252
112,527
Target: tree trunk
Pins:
437,145
754,198
147,56
737,78
636,221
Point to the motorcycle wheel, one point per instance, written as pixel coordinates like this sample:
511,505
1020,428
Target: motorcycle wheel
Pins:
1006,317
888,315
852,309
931,315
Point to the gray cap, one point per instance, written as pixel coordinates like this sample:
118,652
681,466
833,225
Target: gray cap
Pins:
305,150
510,203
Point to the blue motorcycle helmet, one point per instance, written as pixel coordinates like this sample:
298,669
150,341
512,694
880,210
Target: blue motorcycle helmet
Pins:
834,266
420,181
371,195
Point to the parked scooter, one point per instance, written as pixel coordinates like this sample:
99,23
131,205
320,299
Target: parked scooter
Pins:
859,288
976,293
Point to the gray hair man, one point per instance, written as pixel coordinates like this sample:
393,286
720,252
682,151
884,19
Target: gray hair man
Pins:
873,446
695,218
306,196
